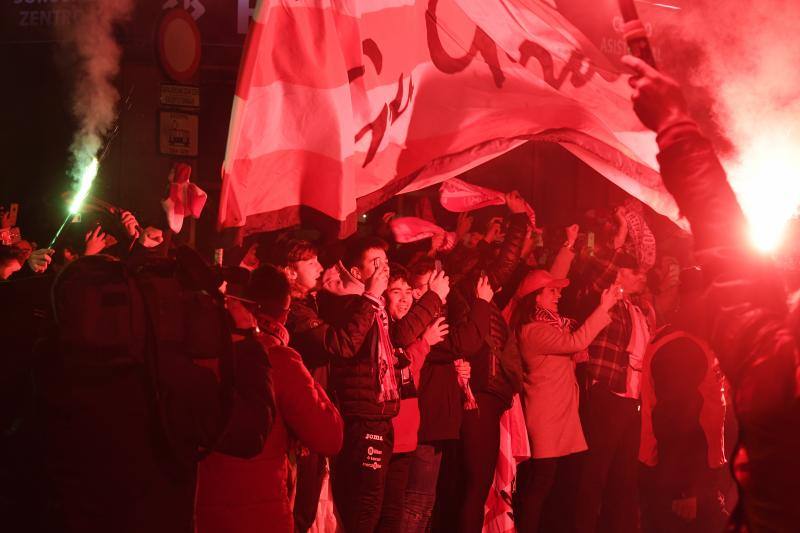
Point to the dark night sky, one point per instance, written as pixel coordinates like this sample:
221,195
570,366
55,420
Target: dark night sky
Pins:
36,131
37,124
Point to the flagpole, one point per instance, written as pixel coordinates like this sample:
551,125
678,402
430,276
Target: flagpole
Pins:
60,229
635,34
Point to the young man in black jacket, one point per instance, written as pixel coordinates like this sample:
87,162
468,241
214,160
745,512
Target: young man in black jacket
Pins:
364,379
492,380
317,341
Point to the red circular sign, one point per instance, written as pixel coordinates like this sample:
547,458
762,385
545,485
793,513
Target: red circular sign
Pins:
179,44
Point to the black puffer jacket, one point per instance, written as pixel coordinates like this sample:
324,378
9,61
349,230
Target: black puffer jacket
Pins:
354,380
441,401
440,397
317,340
488,372
745,318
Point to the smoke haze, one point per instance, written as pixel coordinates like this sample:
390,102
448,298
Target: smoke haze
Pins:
746,57
97,55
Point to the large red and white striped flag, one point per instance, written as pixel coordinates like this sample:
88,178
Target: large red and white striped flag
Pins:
341,104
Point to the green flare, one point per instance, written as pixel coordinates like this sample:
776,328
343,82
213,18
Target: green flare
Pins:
87,177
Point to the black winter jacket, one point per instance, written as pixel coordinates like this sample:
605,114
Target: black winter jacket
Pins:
318,341
477,334
354,379
489,372
745,318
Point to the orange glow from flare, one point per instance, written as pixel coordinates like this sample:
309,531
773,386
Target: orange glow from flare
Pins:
766,179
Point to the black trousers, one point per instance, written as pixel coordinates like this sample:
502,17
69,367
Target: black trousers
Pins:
310,475
358,473
394,495
480,444
608,488
545,493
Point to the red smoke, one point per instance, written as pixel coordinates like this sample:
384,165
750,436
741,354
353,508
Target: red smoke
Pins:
744,56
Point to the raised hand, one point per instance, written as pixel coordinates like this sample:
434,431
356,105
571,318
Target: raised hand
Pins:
40,259
610,297
484,290
572,234
440,284
436,332
619,214
494,231
463,224
377,284
515,202
95,241
657,99
130,224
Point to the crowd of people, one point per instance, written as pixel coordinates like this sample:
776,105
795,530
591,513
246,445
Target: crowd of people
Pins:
171,395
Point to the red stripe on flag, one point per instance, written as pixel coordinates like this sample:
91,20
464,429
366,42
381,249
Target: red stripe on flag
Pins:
330,43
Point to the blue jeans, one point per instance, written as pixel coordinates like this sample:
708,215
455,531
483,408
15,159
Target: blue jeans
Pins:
421,488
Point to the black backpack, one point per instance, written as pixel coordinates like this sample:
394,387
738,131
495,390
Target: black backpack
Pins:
154,317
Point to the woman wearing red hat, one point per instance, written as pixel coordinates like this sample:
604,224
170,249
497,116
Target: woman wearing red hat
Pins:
548,345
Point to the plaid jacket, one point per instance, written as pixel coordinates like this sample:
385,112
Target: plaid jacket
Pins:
608,353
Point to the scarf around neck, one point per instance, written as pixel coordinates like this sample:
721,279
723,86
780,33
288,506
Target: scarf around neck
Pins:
338,280
554,319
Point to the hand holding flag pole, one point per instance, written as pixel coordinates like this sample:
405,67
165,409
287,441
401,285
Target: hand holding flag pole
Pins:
635,34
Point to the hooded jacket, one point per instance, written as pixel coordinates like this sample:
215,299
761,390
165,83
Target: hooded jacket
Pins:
250,495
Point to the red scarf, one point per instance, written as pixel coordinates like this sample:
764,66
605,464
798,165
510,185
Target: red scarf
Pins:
554,319
338,280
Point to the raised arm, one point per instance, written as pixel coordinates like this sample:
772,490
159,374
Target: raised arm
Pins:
502,268
566,254
424,311
469,326
745,314
542,338
319,341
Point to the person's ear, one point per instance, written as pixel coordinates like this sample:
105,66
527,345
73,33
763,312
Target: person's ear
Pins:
356,273
291,274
